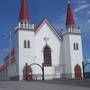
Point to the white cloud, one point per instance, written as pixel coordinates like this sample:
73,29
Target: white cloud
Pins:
88,12
80,2
88,20
82,7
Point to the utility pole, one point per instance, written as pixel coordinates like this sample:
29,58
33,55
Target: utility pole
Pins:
10,47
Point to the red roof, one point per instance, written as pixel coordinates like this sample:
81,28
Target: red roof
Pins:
23,12
69,18
7,61
37,25
13,51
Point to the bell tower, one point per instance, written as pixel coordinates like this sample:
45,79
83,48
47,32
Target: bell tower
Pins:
72,46
24,40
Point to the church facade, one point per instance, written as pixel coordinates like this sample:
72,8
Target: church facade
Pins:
42,52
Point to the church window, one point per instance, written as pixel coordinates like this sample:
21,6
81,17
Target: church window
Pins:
75,46
25,44
47,56
28,44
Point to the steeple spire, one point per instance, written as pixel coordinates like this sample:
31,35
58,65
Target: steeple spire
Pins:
70,18
23,16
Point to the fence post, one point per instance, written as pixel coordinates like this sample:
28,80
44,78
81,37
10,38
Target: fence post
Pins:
42,71
83,69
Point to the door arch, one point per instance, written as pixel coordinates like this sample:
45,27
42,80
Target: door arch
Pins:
77,71
27,71
41,67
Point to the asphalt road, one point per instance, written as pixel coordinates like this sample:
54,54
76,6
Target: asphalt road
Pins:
39,85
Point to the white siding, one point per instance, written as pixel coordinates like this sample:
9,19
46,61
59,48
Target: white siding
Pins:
72,57
53,42
26,55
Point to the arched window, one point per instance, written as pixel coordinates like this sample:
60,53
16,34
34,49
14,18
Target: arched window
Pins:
25,46
47,56
75,46
28,44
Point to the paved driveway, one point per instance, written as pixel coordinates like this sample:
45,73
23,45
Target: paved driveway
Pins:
38,85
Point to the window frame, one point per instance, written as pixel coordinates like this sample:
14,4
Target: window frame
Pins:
26,43
47,56
75,46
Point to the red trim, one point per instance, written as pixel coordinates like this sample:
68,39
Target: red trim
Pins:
7,61
37,25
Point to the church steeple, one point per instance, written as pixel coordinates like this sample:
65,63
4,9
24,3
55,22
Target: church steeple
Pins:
70,23
23,16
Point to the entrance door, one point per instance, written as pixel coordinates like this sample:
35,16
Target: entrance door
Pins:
78,73
27,72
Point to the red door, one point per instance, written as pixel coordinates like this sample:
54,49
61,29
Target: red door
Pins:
78,74
27,73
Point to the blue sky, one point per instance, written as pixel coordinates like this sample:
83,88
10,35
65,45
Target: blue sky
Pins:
55,10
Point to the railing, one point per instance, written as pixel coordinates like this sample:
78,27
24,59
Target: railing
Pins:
54,77
25,26
46,77
74,31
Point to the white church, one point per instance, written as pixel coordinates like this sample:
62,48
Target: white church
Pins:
42,53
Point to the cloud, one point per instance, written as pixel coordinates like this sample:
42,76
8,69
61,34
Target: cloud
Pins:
82,7
88,20
88,12
80,2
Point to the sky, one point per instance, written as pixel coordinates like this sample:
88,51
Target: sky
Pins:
54,10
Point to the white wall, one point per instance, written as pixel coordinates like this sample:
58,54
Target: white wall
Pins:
72,57
66,54
61,51
76,55
53,42
26,55
34,54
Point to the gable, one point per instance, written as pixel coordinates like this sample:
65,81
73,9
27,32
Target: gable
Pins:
47,24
